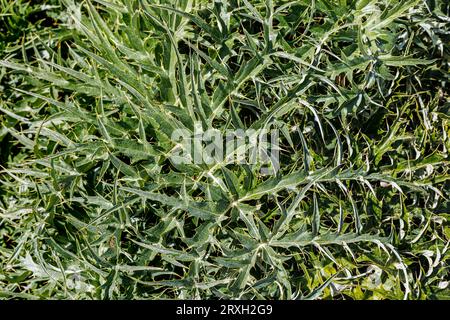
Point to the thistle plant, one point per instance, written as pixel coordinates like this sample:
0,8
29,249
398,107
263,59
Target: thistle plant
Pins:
93,205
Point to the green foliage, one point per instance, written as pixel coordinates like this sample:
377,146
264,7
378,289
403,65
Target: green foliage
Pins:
91,207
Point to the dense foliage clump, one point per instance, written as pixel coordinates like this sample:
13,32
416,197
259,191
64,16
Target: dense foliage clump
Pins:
93,207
